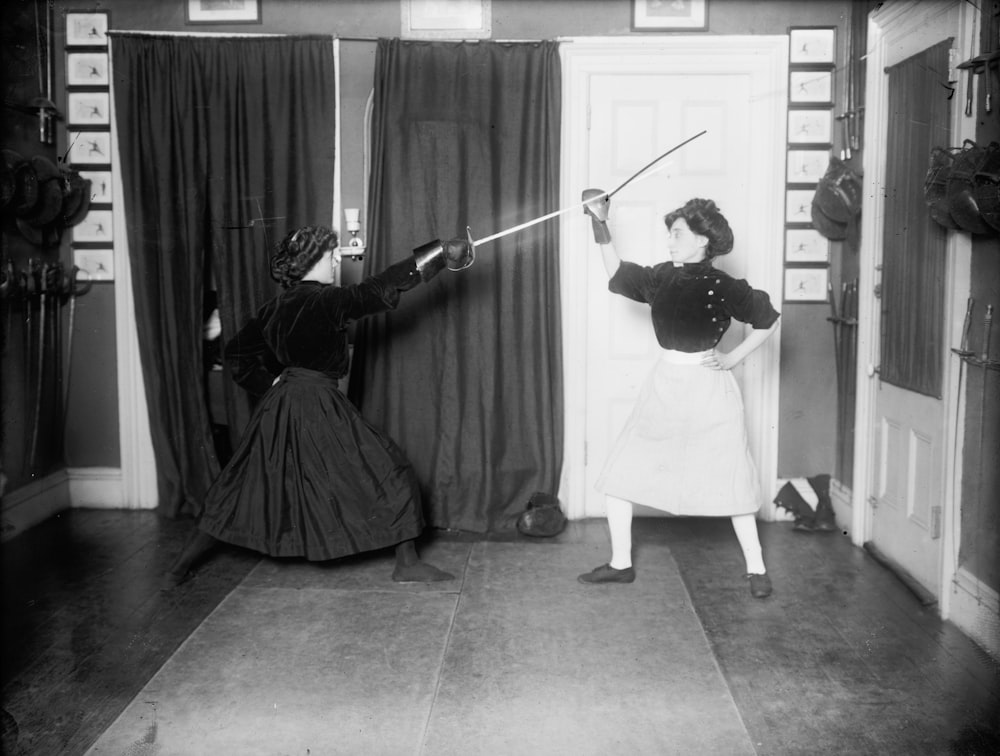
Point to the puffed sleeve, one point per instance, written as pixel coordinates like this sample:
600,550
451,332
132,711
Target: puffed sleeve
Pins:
634,281
254,366
749,305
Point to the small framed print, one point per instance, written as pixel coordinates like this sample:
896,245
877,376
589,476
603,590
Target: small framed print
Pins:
456,19
806,284
97,264
222,11
813,87
87,69
88,109
87,29
810,126
812,45
100,186
806,245
96,227
807,166
798,205
90,147
677,15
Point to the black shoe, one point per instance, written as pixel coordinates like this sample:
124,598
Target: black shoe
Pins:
760,585
608,574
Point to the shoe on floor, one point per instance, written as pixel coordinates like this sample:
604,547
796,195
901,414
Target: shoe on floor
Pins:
760,585
608,574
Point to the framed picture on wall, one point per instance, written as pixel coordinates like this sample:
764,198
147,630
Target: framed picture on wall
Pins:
813,87
88,109
798,205
806,245
810,126
87,69
90,147
222,11
812,45
669,15
456,19
806,284
100,186
97,264
95,227
87,29
807,166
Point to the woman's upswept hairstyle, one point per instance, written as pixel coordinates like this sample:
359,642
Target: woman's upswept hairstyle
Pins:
297,253
705,219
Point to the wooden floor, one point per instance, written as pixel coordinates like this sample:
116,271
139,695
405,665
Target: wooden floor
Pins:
841,659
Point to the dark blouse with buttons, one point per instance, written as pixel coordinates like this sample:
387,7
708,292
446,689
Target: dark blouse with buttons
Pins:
692,305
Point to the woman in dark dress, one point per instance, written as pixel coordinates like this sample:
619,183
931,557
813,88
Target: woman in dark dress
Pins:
311,477
684,449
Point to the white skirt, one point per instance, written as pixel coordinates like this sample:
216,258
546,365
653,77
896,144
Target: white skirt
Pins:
684,448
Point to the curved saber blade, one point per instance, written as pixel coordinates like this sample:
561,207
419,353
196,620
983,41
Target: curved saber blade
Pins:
555,213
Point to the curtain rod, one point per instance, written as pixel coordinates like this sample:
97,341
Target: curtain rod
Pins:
133,33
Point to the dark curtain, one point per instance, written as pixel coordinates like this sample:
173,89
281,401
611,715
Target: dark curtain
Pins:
466,375
225,144
913,262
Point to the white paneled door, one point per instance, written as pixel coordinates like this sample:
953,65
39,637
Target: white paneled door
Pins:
641,104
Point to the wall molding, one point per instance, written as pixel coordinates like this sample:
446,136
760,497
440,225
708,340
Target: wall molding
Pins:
974,608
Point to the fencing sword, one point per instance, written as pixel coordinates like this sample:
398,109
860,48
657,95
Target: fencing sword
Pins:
521,226
43,295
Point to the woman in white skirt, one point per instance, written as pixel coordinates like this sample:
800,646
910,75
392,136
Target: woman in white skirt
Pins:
684,448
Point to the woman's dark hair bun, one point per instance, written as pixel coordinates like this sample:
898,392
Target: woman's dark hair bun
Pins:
297,253
705,219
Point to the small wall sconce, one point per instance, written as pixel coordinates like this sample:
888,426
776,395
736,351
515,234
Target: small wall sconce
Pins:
355,246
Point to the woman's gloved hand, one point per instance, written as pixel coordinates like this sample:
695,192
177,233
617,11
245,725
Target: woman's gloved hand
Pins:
596,205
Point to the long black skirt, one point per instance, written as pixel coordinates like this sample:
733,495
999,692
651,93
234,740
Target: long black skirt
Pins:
312,478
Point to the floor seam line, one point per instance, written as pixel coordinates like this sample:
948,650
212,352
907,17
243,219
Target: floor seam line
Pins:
444,655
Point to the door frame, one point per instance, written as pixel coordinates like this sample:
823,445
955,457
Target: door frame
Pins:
765,58
896,31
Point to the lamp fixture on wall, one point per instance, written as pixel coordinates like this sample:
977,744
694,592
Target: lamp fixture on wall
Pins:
355,246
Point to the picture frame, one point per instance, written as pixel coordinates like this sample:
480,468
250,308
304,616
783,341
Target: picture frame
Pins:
456,19
100,186
812,45
87,69
807,284
807,166
798,205
810,127
88,109
96,264
806,245
813,87
95,227
87,29
664,15
222,12
89,147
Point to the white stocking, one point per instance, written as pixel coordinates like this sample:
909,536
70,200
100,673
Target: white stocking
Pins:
746,533
620,526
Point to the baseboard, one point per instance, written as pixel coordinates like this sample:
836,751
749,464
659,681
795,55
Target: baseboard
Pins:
975,609
90,487
34,502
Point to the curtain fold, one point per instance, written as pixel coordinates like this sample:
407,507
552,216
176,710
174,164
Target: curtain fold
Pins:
466,375
225,144
913,263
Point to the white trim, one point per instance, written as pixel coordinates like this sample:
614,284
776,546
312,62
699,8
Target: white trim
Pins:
975,610
767,58
896,31
34,503
97,488
138,463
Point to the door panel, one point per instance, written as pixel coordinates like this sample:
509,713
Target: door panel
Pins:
634,118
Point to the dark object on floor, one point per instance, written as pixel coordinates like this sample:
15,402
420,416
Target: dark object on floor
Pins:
608,574
825,520
791,500
760,585
542,518
923,595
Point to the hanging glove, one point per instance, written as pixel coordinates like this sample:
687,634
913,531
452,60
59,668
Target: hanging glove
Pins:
596,205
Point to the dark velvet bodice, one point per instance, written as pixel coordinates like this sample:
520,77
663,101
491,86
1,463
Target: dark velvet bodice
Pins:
692,305
306,326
